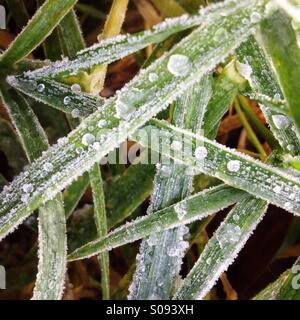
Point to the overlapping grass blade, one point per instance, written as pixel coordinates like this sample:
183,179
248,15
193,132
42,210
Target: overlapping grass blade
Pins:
78,152
52,225
222,248
38,28
198,207
234,168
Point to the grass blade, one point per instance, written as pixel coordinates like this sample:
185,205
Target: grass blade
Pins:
222,248
236,169
52,225
198,207
38,28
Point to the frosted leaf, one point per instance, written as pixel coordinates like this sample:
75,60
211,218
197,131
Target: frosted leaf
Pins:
255,17
288,205
76,87
180,209
102,123
153,77
230,234
27,188
75,113
88,139
67,100
244,70
233,165
200,153
48,167
179,65
41,87
281,122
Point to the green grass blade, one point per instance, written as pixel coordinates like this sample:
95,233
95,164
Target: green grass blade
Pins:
234,168
75,154
286,287
222,248
52,225
291,8
156,260
198,207
264,82
38,28
116,48
101,225
279,41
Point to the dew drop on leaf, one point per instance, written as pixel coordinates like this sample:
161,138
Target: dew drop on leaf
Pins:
41,87
75,113
67,100
101,123
255,17
88,139
179,65
48,167
200,153
76,87
153,77
180,209
244,70
233,165
280,121
28,188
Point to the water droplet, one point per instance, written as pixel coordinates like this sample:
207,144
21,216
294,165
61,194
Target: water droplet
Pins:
233,165
244,70
41,87
220,34
96,146
28,188
281,122
79,150
67,100
230,234
48,167
200,153
179,65
153,77
88,139
288,205
277,96
277,189
255,17
75,113
76,87
102,123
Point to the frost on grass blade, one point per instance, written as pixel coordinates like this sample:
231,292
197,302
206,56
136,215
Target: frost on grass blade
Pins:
280,42
160,256
143,100
222,248
52,225
234,168
263,81
60,96
118,47
38,28
197,207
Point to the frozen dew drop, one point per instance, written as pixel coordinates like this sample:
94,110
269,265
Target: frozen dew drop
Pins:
281,122
48,167
200,153
220,34
233,165
179,65
277,97
25,198
76,87
288,206
290,147
41,87
255,17
277,189
88,139
180,209
96,146
244,70
28,188
75,113
101,123
153,77
230,234
67,100
79,150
